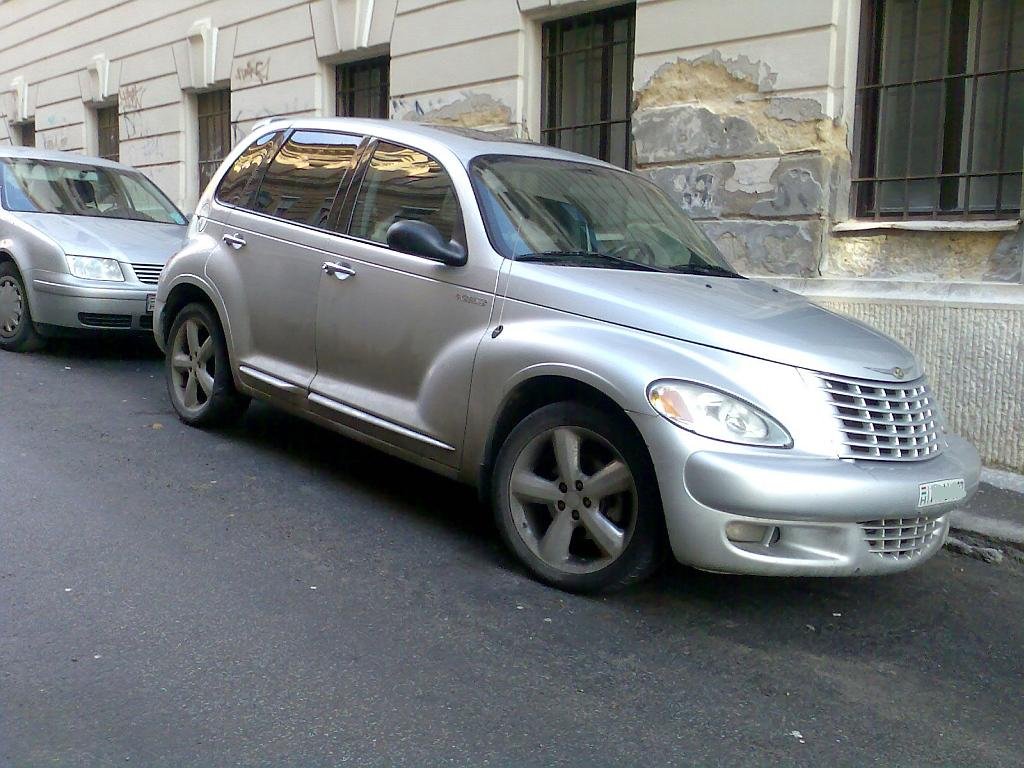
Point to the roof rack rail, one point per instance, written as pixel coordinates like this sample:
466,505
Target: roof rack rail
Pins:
267,121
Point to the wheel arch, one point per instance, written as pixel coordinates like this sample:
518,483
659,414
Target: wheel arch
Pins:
178,297
538,391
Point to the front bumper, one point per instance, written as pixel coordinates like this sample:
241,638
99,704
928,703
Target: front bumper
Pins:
815,511
63,301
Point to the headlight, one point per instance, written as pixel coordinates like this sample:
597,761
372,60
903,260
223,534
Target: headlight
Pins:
715,414
92,268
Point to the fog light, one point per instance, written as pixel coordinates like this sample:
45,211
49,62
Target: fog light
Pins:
752,533
746,532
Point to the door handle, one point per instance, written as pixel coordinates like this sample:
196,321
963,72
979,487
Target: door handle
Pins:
236,241
340,271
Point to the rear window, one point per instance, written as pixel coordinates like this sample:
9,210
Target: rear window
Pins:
303,179
238,187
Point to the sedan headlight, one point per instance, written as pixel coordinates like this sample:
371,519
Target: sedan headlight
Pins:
715,414
94,268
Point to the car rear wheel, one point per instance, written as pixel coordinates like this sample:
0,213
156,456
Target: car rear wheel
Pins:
17,333
576,499
198,371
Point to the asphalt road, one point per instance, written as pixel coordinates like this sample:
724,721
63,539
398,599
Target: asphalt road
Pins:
278,595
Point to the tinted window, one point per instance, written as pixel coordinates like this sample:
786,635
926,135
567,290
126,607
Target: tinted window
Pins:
304,176
239,184
403,183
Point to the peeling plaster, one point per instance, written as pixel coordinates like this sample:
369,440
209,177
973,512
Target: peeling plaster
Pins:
736,90
470,110
944,256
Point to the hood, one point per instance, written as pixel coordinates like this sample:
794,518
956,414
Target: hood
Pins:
744,316
142,242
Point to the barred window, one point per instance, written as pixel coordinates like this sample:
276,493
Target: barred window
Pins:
587,82
108,133
940,109
26,135
213,110
363,88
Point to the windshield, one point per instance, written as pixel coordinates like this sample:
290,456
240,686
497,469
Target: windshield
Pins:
577,214
47,186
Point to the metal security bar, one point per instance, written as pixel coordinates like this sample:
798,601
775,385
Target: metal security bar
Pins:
363,88
940,109
587,75
107,133
213,109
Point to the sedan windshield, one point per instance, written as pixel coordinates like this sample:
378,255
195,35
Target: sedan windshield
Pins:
577,214
45,186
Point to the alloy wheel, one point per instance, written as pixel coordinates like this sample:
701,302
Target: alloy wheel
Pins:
193,365
12,307
573,499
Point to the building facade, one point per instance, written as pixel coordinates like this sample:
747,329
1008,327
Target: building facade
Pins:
866,153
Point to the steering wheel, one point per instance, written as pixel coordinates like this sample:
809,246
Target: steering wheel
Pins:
634,246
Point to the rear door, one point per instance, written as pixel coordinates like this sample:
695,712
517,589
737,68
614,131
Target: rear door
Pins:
397,333
275,246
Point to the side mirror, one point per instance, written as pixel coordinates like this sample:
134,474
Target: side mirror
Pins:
422,239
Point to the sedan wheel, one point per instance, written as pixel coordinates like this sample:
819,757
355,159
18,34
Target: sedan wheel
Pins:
12,307
573,499
17,330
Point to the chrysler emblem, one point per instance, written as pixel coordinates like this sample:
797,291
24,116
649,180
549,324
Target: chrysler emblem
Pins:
896,373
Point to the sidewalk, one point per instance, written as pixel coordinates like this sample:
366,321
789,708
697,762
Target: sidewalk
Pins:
997,510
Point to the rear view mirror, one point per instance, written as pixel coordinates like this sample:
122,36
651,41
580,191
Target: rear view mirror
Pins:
419,238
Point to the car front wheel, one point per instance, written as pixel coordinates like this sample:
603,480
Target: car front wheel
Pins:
17,333
576,499
199,377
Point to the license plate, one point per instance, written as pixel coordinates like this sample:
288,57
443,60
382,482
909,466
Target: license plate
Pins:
941,492
150,302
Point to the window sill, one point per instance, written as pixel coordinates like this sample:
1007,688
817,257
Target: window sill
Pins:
861,225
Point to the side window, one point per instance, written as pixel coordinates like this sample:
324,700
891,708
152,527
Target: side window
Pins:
403,183
303,178
239,184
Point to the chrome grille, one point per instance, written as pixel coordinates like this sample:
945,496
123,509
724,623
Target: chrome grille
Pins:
147,273
900,537
883,421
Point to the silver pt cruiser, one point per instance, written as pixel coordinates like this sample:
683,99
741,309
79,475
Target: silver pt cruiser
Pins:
555,331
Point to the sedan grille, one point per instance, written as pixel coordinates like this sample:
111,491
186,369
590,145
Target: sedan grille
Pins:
883,421
147,273
899,538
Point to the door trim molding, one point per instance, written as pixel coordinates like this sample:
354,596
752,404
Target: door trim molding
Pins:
377,421
270,381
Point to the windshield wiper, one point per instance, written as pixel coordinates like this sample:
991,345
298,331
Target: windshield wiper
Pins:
712,270
579,259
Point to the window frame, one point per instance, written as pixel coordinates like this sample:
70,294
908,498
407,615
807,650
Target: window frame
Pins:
105,128
551,121
214,163
866,181
347,92
28,125
359,176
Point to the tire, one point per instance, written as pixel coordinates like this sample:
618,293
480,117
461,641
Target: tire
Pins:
198,370
555,522
17,332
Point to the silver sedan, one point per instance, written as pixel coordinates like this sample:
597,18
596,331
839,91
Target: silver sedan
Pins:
82,244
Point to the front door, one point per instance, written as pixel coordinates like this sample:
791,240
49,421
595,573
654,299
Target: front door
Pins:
397,334
275,246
